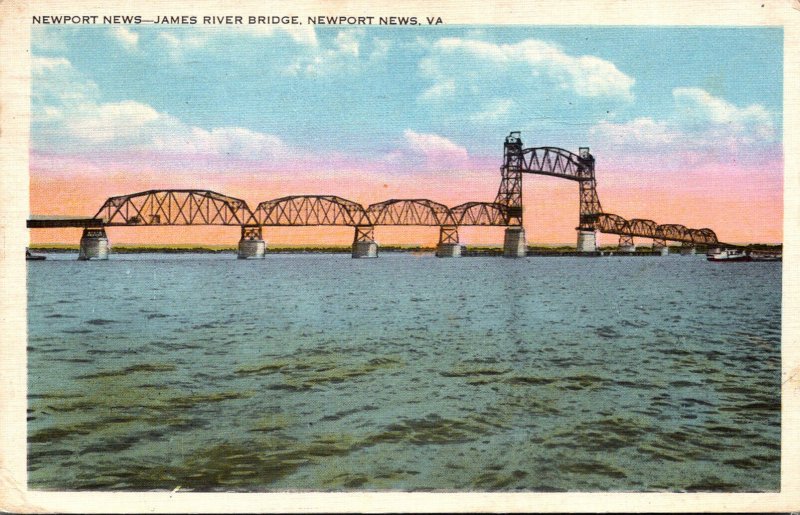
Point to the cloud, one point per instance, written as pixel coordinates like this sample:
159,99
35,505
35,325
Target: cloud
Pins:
697,105
702,130
127,38
433,146
301,34
456,59
67,115
640,131
348,51
700,120
177,46
494,111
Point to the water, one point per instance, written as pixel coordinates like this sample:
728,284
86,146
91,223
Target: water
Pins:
321,372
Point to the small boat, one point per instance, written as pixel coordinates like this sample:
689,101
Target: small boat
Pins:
762,255
727,255
33,257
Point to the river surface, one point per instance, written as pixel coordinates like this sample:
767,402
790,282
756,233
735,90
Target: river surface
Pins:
406,372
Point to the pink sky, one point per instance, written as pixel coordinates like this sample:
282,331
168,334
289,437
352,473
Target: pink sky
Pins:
741,204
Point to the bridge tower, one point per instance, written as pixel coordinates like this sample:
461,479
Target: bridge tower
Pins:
590,207
94,244
510,195
252,244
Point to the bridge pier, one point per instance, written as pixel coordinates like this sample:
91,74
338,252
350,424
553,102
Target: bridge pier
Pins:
448,242
514,243
252,245
660,247
94,244
626,244
587,240
688,249
364,245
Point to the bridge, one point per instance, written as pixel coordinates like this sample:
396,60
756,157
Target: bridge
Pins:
189,207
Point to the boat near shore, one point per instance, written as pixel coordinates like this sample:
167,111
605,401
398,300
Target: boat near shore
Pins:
33,257
727,255
737,255
761,255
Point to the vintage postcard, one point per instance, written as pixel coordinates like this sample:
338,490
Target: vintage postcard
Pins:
358,256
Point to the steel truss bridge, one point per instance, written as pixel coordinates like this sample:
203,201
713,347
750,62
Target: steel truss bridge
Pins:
189,207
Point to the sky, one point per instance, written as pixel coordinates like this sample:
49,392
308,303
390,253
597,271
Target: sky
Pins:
685,124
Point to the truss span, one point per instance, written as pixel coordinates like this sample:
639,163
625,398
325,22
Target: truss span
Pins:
480,213
615,224
410,212
174,207
305,210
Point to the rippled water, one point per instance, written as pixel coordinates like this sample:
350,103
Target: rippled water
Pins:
321,372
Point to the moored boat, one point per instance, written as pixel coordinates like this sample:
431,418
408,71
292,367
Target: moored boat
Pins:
761,255
727,255
33,257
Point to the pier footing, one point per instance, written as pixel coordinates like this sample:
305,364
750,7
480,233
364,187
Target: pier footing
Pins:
365,249
627,249
94,245
448,250
252,249
252,244
688,250
514,243
658,249
587,241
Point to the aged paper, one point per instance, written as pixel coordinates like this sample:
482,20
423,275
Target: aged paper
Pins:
370,101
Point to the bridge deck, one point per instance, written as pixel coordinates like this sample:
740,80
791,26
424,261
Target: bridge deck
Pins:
52,223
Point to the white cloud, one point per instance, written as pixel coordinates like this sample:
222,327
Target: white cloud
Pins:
434,146
40,65
301,34
643,131
349,51
177,46
127,38
68,115
587,76
699,120
442,89
698,105
496,110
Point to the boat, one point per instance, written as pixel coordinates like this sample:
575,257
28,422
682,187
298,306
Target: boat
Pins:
33,257
765,255
728,255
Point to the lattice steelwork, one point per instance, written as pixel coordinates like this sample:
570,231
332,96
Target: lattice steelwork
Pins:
557,162
480,213
615,224
302,210
364,233
448,234
174,207
410,212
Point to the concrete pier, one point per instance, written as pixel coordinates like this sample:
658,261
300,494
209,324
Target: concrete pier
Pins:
627,249
514,243
365,249
252,249
661,249
94,245
448,250
688,250
587,241
252,244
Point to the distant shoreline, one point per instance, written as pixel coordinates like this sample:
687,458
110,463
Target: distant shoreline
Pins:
224,249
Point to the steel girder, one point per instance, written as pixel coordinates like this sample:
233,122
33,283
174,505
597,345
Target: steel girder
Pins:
174,207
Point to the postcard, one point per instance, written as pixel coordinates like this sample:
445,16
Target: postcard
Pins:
363,256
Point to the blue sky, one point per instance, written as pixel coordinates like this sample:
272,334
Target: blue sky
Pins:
362,91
